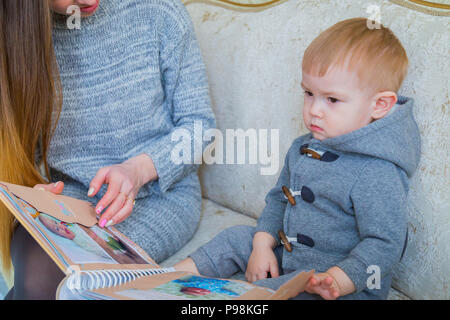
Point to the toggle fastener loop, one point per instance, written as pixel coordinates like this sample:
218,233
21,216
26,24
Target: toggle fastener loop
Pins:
312,153
325,156
306,194
301,238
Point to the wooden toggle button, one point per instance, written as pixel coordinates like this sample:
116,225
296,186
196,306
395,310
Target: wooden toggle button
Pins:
288,195
327,156
312,153
284,240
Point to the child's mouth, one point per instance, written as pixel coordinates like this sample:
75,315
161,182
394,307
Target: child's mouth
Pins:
316,128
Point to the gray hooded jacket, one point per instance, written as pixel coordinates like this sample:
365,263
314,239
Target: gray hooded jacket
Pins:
350,200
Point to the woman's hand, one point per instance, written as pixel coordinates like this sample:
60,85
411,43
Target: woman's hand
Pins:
124,181
263,259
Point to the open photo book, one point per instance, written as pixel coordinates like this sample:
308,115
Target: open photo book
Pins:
102,263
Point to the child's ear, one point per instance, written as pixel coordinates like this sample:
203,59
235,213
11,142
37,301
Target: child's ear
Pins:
383,103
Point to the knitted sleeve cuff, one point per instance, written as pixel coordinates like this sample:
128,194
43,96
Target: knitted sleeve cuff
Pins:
169,171
270,223
272,232
356,270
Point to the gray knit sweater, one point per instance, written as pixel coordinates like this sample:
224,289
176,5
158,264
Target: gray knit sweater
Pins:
350,200
131,76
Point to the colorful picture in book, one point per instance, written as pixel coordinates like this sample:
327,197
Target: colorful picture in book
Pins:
115,247
76,244
106,247
203,288
81,244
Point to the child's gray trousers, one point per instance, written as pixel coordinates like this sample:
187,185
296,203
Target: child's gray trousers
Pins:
229,252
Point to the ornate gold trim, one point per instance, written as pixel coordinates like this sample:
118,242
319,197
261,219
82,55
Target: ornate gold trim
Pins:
432,4
235,5
432,8
428,7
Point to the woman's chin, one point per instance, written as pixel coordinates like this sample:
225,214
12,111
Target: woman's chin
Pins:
87,15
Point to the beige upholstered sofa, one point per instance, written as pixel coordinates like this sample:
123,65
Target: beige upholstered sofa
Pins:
253,59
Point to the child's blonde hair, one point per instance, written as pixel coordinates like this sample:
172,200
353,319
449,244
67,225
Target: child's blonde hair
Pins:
376,54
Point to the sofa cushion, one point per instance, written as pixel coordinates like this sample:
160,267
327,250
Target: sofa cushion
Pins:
253,61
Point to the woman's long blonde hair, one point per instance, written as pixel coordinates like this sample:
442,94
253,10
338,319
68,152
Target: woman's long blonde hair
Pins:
30,96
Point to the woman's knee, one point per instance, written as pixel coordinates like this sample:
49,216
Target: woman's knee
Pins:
10,294
36,276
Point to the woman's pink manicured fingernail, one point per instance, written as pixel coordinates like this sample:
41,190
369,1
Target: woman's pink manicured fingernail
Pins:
110,223
99,209
102,223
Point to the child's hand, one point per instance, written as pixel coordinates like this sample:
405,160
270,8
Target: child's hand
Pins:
263,259
124,181
324,285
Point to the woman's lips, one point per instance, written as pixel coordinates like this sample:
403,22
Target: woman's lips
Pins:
91,8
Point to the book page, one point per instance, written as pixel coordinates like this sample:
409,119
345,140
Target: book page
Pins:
192,287
181,286
72,243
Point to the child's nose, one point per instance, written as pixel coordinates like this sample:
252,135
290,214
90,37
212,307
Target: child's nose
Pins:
316,109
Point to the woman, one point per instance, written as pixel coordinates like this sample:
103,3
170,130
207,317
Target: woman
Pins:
131,76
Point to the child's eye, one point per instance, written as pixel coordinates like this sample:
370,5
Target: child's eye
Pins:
309,93
333,100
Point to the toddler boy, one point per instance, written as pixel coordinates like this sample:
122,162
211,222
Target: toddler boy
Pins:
339,205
